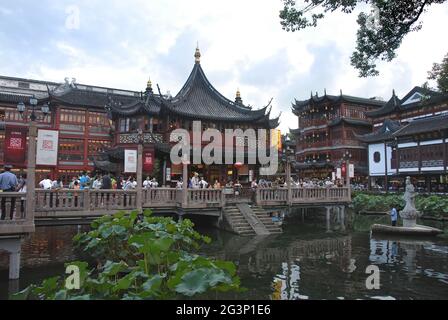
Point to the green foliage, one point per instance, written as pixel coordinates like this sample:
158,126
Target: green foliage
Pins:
380,32
365,202
430,205
141,257
439,73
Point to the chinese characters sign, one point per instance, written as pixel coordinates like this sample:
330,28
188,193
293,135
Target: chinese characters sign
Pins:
47,148
130,161
148,162
15,145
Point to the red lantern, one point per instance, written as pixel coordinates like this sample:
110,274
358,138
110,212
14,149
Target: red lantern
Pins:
344,169
238,165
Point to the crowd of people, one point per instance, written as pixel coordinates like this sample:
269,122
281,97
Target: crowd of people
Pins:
97,182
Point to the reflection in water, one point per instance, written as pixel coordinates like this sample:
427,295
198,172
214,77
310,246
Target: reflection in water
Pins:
303,263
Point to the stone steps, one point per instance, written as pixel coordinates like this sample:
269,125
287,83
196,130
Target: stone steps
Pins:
241,226
237,221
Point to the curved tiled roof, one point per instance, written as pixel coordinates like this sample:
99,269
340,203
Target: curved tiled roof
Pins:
385,132
301,105
395,104
18,97
349,121
429,124
151,105
82,97
199,99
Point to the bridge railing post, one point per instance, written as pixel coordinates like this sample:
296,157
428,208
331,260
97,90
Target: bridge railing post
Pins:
86,200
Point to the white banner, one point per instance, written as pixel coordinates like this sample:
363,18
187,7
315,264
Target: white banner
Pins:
168,174
47,147
339,173
130,161
333,176
351,170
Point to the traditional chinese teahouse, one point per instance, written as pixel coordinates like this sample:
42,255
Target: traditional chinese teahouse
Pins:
328,126
153,116
92,137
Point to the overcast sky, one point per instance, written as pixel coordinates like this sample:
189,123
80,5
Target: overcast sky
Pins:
121,43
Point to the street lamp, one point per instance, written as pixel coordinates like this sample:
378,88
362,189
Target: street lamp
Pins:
31,167
45,108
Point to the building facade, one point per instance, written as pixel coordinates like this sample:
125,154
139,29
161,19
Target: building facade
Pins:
327,134
409,139
97,124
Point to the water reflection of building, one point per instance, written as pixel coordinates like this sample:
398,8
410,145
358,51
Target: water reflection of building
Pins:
260,261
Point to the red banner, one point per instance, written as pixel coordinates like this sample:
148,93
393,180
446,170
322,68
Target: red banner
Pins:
15,146
148,161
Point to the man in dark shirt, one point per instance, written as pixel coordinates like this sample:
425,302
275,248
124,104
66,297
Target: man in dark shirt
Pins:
106,183
8,183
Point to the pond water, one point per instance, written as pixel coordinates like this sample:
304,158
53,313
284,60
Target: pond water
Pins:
304,262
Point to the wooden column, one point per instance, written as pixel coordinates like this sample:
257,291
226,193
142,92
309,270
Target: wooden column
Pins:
288,181
386,174
445,160
185,183
419,157
31,173
139,199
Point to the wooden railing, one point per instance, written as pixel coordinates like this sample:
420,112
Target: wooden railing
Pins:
14,219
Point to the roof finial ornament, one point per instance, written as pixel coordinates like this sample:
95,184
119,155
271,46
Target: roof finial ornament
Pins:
393,93
197,54
325,91
238,99
341,92
149,86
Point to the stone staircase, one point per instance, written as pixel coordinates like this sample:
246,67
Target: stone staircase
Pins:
237,222
247,221
267,220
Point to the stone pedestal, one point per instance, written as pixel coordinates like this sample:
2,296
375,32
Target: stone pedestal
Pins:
410,218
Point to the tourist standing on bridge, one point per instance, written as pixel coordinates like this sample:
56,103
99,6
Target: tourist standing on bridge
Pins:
8,183
203,184
84,181
106,182
46,183
22,189
195,181
147,183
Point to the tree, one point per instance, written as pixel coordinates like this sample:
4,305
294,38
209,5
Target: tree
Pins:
380,32
439,73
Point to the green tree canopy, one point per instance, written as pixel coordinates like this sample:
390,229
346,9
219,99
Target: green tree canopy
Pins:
439,73
380,32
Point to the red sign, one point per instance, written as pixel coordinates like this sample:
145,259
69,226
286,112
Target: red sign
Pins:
148,161
344,169
15,146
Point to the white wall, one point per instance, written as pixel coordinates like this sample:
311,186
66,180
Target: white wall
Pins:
378,169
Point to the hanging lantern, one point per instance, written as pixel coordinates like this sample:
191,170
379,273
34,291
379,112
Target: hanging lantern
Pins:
238,165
